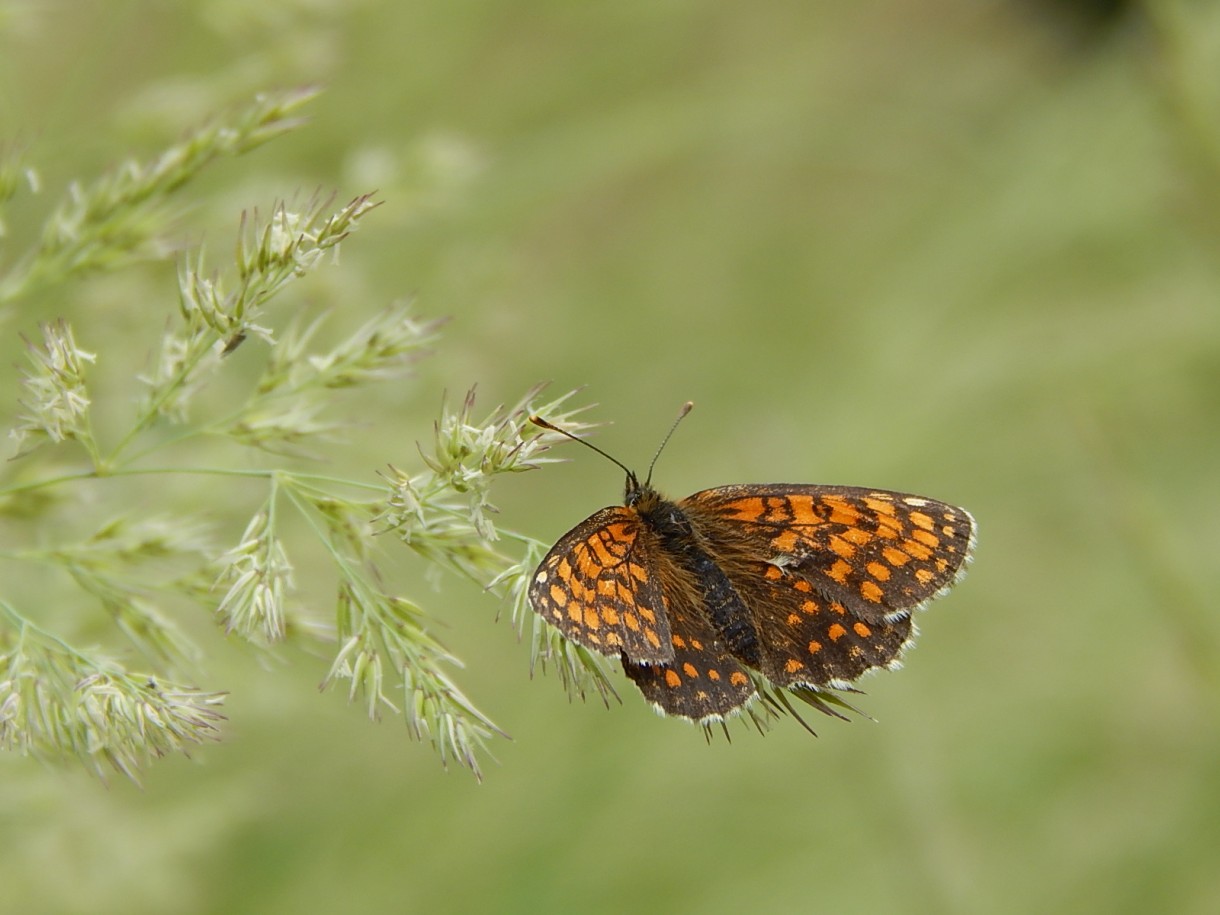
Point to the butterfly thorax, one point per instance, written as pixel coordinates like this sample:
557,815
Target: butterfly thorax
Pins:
661,516
681,544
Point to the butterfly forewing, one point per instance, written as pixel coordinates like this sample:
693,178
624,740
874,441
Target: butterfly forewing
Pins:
879,554
599,588
831,574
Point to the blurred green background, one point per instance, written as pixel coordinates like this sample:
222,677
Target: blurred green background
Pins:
966,250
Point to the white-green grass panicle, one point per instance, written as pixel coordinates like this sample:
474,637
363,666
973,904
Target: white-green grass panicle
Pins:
121,217
54,401
384,645
270,253
379,350
296,385
257,577
61,701
58,701
219,311
381,634
444,512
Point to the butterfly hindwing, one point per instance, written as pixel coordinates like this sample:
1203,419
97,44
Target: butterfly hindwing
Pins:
703,681
804,638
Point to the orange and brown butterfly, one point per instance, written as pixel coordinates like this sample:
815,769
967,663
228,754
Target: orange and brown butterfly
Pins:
809,586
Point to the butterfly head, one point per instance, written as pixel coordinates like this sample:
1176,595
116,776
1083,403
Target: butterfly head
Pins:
640,496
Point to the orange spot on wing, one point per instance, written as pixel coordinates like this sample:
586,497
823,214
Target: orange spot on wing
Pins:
861,630
632,621
779,510
602,556
857,535
653,639
841,512
678,641
927,538
802,585
923,576
792,665
871,591
802,510
747,509
839,571
815,647
880,504
672,680
888,521
919,519
618,532
785,542
895,556
737,678
879,571
592,620
559,595
841,547
836,632
689,669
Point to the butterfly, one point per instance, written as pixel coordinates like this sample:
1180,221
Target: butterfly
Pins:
805,585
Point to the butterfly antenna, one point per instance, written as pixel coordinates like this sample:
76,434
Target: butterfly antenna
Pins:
686,408
539,421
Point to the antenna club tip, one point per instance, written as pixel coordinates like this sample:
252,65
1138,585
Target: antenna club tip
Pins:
687,407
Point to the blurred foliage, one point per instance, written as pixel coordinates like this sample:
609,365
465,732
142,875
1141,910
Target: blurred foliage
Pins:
928,247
